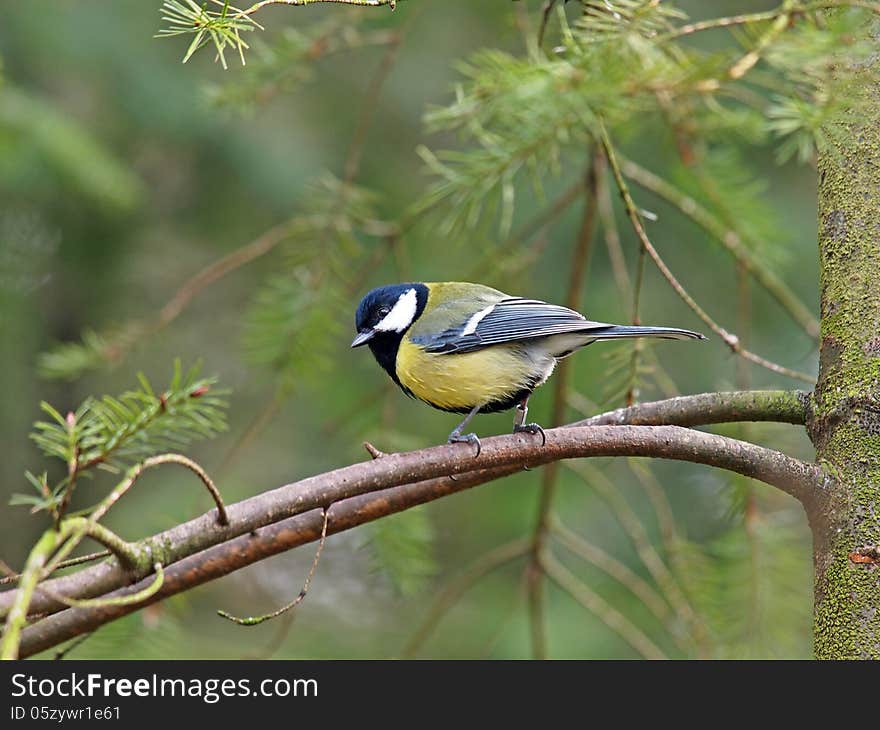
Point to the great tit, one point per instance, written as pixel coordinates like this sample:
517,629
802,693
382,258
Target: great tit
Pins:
467,348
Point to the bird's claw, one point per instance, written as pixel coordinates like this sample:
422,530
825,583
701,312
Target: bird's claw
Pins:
532,428
468,438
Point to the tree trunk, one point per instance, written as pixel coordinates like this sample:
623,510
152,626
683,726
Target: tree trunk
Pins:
844,422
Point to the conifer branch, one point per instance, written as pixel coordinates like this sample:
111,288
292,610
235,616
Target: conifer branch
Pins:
729,339
729,238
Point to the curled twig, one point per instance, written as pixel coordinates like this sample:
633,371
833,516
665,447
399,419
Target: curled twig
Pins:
255,620
81,529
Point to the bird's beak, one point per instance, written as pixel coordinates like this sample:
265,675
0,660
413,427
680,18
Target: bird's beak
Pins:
363,337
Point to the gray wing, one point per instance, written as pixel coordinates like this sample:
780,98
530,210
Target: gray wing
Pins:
508,320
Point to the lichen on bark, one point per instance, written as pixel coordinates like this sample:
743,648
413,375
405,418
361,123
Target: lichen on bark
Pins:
844,420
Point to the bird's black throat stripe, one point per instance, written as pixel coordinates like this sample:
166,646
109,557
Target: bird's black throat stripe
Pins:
384,347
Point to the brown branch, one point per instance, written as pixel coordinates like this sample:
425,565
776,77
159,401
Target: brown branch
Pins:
780,406
250,548
264,509
368,110
420,471
234,260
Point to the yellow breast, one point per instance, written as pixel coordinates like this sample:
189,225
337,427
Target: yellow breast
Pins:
463,381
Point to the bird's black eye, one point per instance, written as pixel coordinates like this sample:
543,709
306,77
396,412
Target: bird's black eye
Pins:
383,312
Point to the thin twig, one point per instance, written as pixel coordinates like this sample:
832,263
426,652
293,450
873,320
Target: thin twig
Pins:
125,552
600,608
256,620
373,451
611,234
11,576
132,599
17,617
491,263
634,528
728,238
744,64
610,565
729,339
131,476
621,276
362,3
234,260
545,18
748,18
368,109
714,23
450,594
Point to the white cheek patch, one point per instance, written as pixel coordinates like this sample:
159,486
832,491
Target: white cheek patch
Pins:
471,326
402,314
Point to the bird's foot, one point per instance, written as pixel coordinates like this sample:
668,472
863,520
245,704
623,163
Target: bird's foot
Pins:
532,428
467,438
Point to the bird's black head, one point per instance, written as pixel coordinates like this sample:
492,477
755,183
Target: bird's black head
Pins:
384,315
389,311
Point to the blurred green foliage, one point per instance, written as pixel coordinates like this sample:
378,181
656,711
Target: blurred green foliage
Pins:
124,173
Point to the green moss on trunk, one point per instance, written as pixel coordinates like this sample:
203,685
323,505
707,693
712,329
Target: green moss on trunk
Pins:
844,422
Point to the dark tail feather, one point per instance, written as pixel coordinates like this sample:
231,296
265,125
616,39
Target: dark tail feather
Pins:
620,331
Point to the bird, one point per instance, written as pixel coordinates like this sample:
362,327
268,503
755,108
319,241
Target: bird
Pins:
468,348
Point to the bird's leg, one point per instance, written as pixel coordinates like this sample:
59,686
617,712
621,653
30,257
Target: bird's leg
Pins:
469,438
519,421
